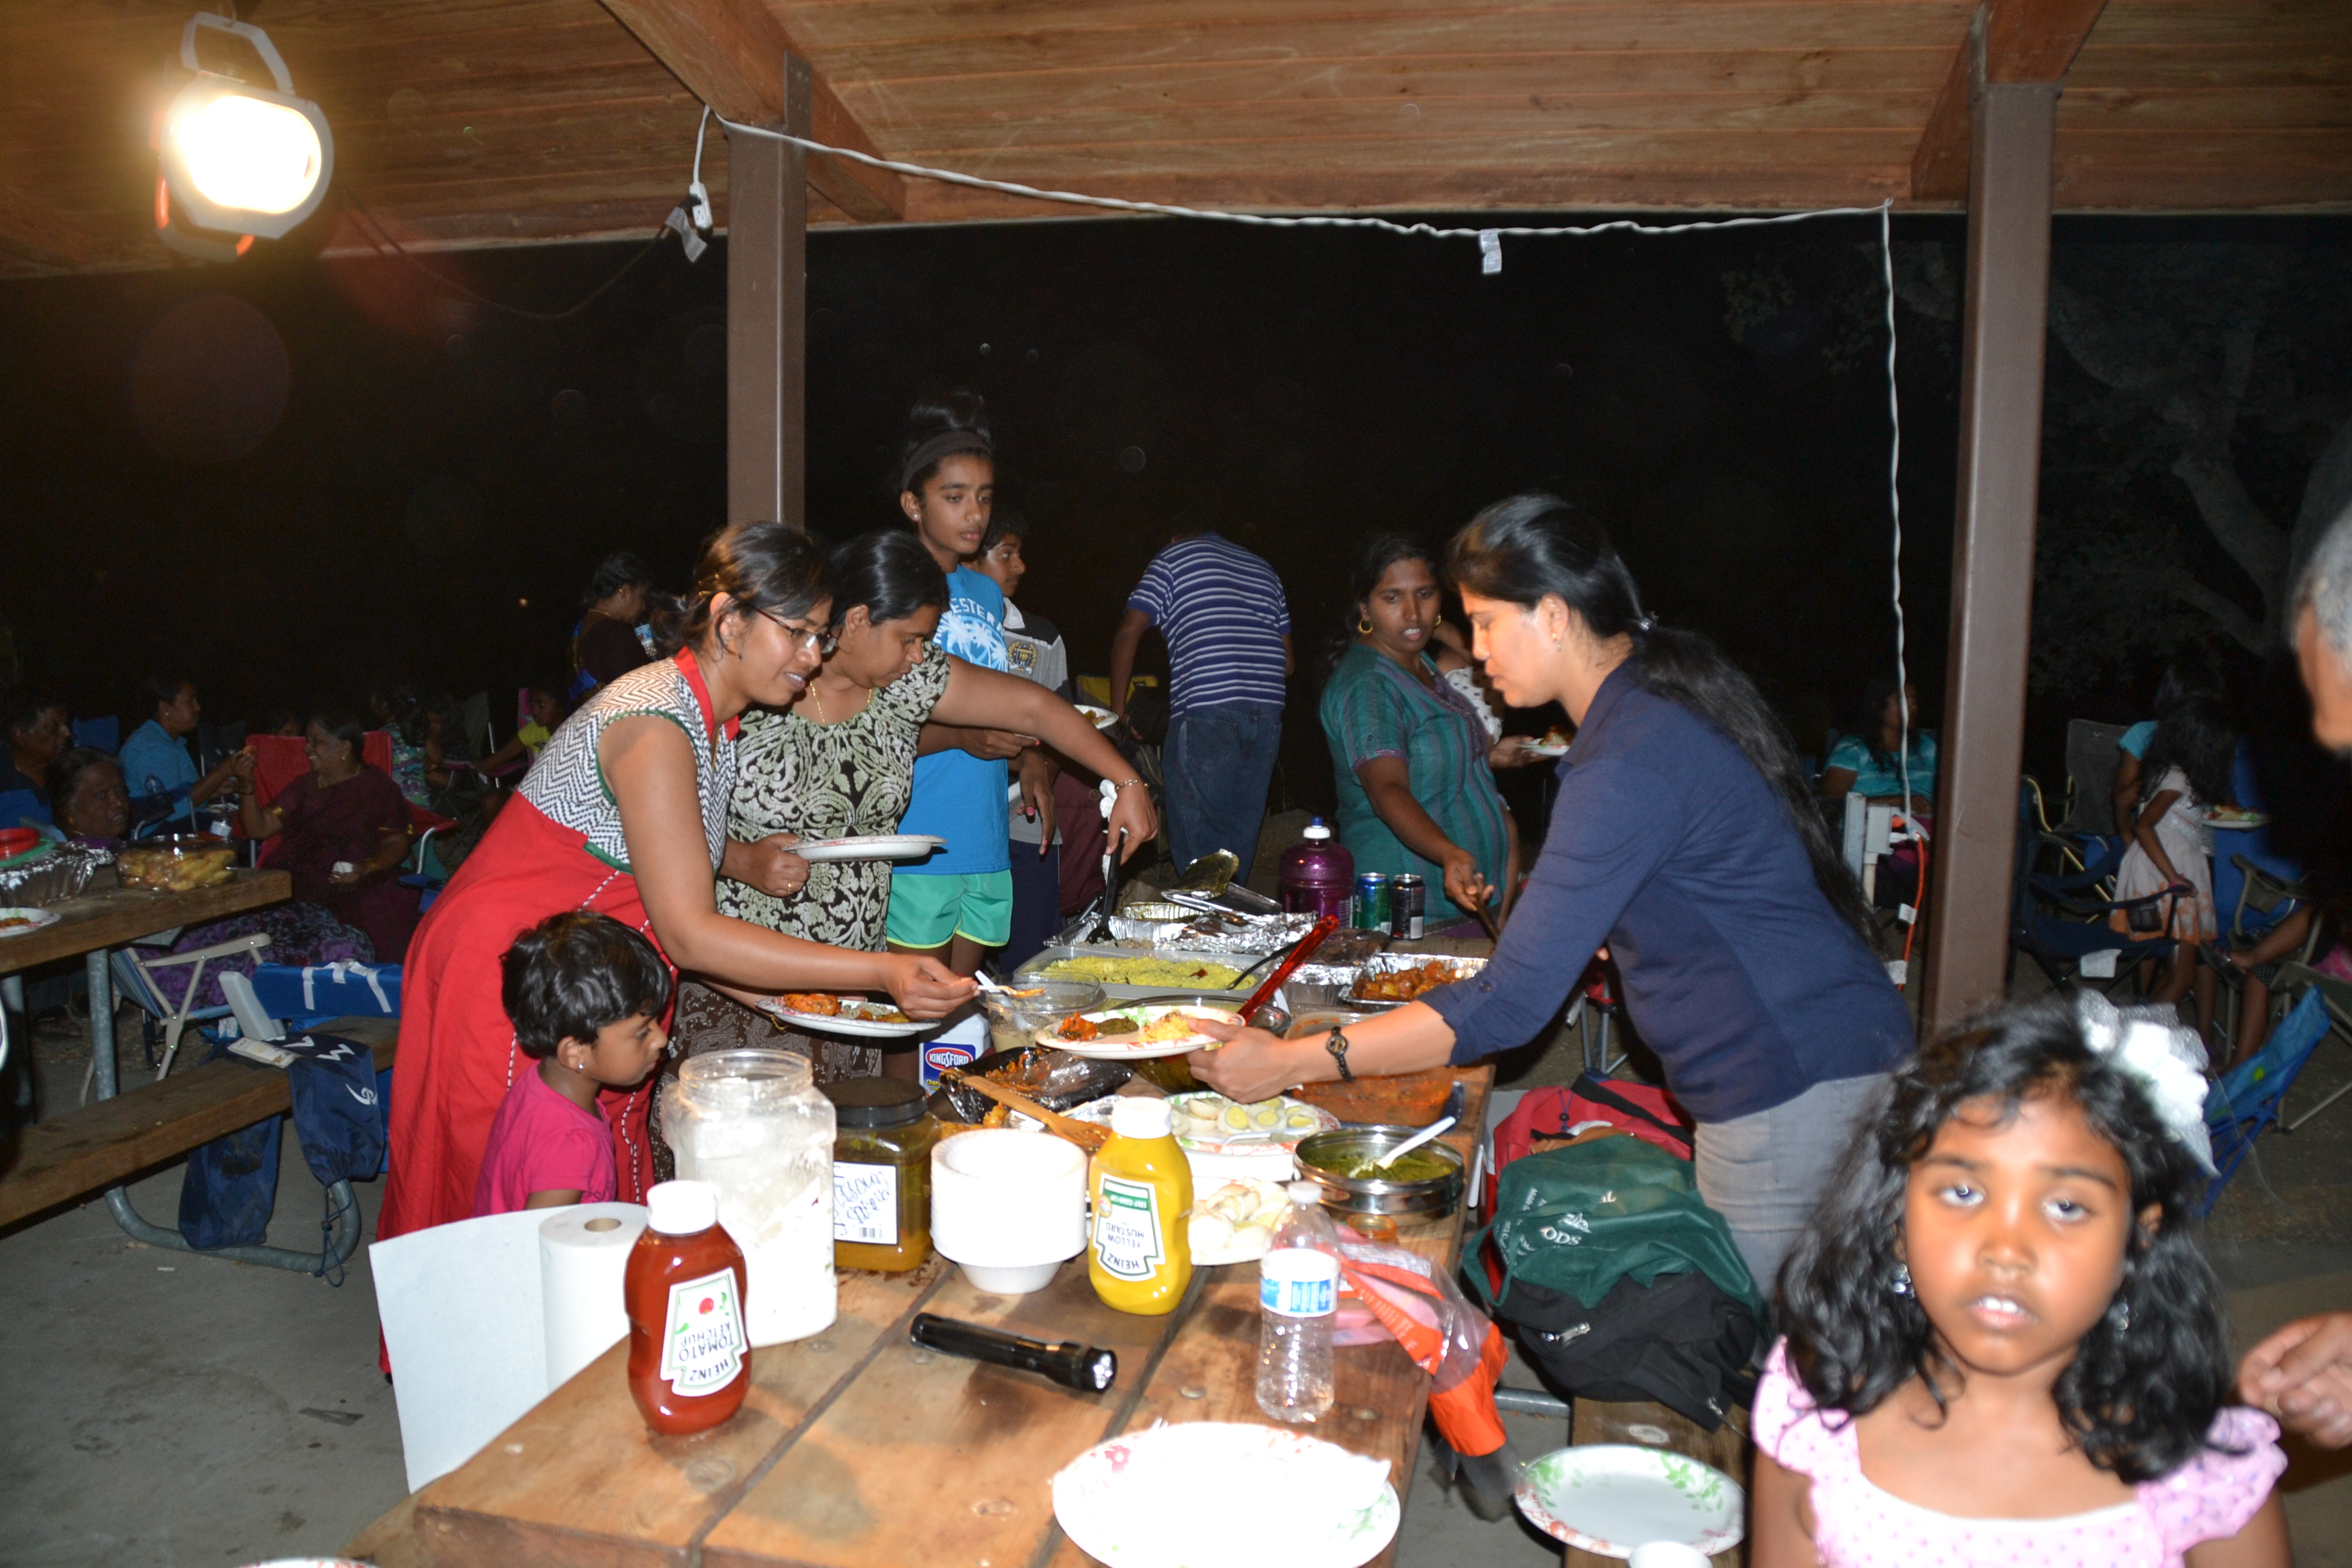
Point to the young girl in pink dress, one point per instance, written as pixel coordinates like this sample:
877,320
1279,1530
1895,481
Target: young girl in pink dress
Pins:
2004,1346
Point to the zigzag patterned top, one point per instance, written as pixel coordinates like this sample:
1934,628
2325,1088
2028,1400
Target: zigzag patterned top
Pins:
567,785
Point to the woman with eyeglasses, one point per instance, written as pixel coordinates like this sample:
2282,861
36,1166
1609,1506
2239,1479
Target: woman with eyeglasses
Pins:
624,814
840,761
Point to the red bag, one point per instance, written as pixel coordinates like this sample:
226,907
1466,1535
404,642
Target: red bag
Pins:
1650,1114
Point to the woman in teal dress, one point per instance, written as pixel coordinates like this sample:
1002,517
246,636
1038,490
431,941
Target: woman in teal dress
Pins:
1409,752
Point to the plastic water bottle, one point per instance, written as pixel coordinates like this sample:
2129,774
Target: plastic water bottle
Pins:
1298,1297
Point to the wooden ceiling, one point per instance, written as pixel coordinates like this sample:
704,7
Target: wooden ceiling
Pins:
479,123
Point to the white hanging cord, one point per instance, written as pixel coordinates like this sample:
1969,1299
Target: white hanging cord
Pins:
1487,238
1895,507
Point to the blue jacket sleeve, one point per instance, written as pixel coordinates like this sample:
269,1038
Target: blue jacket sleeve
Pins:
1612,826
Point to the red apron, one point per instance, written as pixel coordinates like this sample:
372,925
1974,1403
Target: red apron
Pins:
457,1052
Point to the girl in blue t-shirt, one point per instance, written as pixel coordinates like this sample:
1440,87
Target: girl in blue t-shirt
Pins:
959,903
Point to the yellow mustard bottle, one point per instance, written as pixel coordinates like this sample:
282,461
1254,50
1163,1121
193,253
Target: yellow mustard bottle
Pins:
1140,1259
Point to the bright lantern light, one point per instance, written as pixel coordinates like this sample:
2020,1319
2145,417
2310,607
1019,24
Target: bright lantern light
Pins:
247,155
238,160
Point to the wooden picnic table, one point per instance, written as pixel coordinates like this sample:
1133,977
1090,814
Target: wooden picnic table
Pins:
857,1448
110,916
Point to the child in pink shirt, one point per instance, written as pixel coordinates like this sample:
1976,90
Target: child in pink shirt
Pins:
585,994
2003,1345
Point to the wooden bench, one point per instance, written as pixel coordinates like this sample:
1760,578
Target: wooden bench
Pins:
89,1149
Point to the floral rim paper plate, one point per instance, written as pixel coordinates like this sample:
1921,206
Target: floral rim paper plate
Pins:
1256,1494
1145,1036
1613,1496
25,921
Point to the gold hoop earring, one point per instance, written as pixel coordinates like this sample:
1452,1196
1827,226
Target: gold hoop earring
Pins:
1364,625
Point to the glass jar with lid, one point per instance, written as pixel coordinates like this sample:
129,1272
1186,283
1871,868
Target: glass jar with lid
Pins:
881,1173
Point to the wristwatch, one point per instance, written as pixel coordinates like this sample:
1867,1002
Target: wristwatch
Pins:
1338,1046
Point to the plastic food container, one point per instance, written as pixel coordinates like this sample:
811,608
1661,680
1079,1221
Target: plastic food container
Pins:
179,864
754,1124
1013,1021
1372,1194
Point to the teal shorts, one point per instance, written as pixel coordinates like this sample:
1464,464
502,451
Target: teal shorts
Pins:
926,911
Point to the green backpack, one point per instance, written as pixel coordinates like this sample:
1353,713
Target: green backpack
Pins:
1577,1219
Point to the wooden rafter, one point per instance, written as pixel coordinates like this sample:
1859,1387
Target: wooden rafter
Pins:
730,54
2022,40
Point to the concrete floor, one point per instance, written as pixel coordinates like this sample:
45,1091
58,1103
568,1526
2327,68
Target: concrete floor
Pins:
167,1411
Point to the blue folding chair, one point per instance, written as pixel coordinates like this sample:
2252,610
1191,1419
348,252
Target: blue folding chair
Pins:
2245,1100
2059,919
105,732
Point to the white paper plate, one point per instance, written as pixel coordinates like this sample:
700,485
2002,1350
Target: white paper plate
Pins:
850,1021
1540,749
2238,820
38,916
872,847
1127,1048
1113,1500
1100,718
1613,1496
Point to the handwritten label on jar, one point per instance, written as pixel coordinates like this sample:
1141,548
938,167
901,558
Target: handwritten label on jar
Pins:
865,1202
702,1335
1126,1229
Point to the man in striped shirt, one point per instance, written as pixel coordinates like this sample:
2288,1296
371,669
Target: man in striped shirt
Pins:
1228,631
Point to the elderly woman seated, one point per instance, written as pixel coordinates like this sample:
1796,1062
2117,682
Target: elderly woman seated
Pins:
93,808
342,831
87,796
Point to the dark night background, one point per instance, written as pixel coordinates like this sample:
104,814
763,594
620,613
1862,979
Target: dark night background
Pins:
293,478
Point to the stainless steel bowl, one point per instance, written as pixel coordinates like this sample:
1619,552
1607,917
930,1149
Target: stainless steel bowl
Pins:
1368,1195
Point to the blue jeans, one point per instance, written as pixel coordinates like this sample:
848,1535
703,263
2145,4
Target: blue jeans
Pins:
1219,761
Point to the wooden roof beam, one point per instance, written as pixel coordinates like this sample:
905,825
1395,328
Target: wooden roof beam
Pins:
730,54
2019,41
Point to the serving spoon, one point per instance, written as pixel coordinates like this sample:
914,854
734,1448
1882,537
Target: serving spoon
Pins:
1416,1142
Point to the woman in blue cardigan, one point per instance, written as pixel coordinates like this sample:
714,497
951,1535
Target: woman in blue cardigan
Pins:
1684,839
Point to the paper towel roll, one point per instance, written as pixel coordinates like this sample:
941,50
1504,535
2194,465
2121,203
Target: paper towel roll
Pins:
581,1254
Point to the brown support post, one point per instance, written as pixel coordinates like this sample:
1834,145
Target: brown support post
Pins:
1992,546
767,316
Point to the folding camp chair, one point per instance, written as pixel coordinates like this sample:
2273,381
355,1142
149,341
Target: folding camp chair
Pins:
278,1000
2336,995
2060,920
2263,900
2091,765
134,977
2246,1098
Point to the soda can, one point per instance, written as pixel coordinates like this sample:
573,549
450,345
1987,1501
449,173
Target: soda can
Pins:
1373,901
1408,907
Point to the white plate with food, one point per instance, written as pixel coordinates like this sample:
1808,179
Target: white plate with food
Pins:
1100,718
2229,817
1250,1493
1609,1498
1134,1033
23,921
1553,744
843,1015
870,847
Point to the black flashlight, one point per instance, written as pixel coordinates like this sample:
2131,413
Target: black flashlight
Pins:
1073,1365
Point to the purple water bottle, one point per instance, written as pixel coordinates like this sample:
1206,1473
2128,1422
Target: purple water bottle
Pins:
1318,876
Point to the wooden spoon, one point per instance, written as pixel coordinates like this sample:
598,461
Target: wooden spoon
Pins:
1084,1134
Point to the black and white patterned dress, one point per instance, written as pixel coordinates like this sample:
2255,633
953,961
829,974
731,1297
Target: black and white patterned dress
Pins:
831,780
818,781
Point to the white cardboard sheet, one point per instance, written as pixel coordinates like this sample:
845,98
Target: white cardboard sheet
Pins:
465,1321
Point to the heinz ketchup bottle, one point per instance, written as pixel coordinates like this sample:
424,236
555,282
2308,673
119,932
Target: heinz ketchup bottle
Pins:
689,1359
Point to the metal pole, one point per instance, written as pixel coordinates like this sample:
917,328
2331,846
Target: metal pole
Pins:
1992,545
767,315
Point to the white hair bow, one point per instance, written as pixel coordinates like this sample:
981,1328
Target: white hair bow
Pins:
2167,1060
